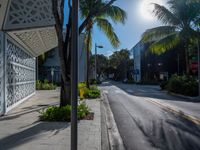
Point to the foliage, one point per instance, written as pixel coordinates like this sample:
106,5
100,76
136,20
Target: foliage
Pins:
119,63
92,93
81,85
102,19
55,113
163,85
181,25
44,85
102,64
185,85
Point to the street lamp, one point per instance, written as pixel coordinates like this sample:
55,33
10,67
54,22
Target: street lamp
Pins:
74,75
96,46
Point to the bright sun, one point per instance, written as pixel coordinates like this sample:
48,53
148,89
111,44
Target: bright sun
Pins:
146,8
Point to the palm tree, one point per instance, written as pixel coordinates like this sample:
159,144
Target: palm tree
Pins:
180,26
102,21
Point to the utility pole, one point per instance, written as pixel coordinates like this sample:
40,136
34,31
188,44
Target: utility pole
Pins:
95,61
178,63
74,75
198,45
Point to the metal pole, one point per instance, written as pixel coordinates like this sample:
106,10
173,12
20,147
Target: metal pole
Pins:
178,59
198,45
95,61
74,75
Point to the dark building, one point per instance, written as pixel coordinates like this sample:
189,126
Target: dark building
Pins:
153,67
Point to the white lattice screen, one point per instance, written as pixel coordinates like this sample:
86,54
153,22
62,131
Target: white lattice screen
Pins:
20,73
1,74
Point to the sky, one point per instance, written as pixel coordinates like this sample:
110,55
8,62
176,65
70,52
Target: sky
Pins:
138,20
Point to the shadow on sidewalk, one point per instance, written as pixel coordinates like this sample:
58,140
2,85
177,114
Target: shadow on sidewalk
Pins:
26,110
32,133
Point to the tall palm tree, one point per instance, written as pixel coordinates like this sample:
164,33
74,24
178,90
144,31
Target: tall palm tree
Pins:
179,21
102,20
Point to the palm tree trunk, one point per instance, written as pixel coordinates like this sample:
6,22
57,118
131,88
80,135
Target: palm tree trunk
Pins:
88,59
187,67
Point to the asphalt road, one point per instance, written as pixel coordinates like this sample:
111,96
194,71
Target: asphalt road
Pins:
144,125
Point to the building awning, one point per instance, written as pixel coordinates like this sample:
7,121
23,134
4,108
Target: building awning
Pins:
31,23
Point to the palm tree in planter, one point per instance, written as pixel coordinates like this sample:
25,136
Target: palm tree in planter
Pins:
102,20
179,27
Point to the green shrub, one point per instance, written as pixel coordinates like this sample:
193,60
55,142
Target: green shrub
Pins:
185,85
38,85
163,85
45,85
55,113
92,93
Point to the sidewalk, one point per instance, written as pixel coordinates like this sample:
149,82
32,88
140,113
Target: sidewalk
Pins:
20,129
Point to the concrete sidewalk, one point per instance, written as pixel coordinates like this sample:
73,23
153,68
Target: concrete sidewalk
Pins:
20,129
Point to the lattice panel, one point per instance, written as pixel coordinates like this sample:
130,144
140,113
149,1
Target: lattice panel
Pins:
31,39
29,13
49,38
37,40
1,74
20,69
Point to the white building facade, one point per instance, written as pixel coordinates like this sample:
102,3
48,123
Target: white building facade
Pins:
26,31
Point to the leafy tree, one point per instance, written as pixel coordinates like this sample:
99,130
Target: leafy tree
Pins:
181,22
64,43
102,21
119,61
102,64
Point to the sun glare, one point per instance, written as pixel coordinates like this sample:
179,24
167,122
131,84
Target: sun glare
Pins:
146,8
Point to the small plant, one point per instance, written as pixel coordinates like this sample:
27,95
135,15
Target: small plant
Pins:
55,113
45,85
92,93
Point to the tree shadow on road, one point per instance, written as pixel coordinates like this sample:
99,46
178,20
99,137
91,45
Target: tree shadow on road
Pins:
171,134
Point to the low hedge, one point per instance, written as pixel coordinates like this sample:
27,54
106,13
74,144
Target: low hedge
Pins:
185,85
55,113
44,85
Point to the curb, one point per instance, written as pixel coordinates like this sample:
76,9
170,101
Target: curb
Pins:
185,97
114,137
177,112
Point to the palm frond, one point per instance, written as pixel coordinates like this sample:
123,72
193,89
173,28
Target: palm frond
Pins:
115,13
157,33
165,44
165,16
106,27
